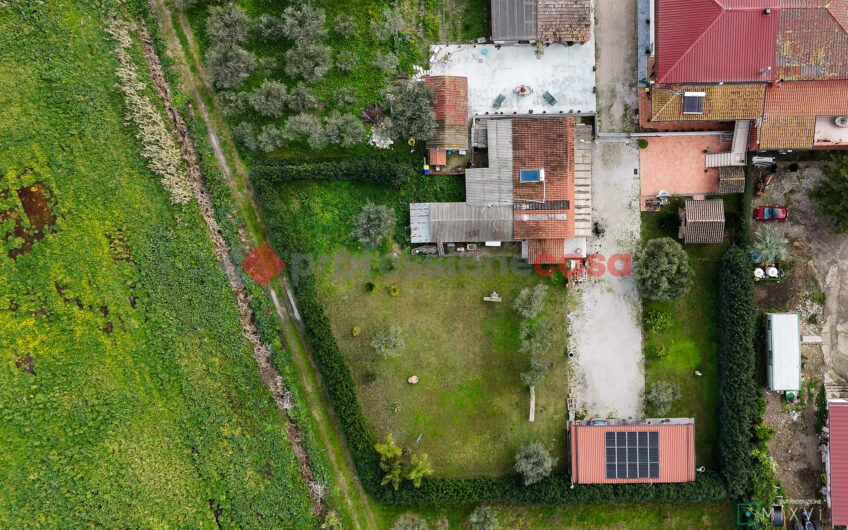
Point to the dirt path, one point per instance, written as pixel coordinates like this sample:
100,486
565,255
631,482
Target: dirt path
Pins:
615,35
196,81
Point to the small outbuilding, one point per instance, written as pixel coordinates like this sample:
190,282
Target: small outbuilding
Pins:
783,347
702,221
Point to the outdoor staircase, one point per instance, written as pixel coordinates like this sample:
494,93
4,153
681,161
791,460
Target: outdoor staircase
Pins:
736,155
582,180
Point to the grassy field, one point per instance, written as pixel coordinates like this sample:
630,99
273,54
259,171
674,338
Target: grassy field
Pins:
470,407
691,339
128,396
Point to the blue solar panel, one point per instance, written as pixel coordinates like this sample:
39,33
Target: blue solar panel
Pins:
631,454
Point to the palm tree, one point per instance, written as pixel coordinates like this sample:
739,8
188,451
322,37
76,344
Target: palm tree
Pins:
389,452
419,468
769,245
393,475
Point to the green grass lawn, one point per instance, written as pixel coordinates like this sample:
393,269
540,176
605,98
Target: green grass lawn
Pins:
692,337
470,407
128,396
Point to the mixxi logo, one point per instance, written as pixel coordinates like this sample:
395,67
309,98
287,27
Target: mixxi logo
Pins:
803,511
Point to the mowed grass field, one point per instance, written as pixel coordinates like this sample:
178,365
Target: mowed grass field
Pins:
469,410
128,396
692,336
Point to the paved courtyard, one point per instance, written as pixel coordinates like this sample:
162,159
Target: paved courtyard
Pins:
677,164
564,71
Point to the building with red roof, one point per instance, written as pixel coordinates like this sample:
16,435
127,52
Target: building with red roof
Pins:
451,108
837,461
632,451
779,63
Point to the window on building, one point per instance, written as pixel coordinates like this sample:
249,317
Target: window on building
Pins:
693,102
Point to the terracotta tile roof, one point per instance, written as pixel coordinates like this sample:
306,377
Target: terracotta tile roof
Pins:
703,221
542,251
451,108
721,102
735,40
731,179
564,20
789,118
590,454
543,143
838,479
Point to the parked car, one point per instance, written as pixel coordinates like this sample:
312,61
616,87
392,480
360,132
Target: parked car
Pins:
770,213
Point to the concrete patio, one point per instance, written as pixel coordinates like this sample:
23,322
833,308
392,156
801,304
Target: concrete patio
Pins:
564,71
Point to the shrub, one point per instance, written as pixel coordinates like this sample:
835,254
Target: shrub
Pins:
373,224
391,24
661,269
343,130
372,170
483,518
536,337
412,114
642,143
534,462
369,287
656,321
245,134
831,193
269,98
409,522
308,60
346,60
229,66
232,103
306,126
660,396
227,24
355,331
530,301
394,290
387,62
346,97
388,342
345,25
657,351
301,98
303,22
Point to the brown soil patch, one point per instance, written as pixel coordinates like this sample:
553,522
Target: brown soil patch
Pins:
117,245
39,214
26,364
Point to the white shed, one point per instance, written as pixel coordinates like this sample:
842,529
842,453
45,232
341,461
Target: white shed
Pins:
783,346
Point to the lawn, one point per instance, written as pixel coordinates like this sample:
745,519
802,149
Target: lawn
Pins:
469,409
691,336
128,396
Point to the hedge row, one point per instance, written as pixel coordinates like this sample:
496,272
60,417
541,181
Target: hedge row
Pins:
557,489
380,171
737,407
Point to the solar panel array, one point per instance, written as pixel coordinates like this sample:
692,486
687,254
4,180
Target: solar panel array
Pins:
633,454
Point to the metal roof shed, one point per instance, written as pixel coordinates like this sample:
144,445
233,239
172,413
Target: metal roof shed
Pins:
837,461
783,346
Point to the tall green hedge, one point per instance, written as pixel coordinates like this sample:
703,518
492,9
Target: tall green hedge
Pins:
374,170
737,408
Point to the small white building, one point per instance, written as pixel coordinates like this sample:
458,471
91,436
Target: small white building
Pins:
783,347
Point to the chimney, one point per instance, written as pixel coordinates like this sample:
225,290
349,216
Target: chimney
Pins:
767,11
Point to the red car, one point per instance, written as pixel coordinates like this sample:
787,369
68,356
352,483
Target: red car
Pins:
770,213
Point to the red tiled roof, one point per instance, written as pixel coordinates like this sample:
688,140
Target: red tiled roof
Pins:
789,117
451,108
676,453
544,251
734,40
564,20
839,462
543,143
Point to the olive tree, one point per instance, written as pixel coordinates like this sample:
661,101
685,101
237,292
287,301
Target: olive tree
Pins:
227,24
301,98
483,518
232,103
269,98
660,396
270,138
245,134
534,462
306,126
410,522
229,65
387,62
303,22
346,60
346,97
388,342
661,269
373,224
345,25
391,24
308,60
343,129
535,374
530,301
536,336
269,28
412,112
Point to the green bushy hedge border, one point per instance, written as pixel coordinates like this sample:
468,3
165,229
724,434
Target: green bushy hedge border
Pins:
373,170
557,489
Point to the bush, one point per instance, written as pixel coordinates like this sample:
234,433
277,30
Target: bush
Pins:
301,98
737,404
655,350
660,396
346,97
388,342
346,60
343,130
661,269
831,193
227,24
303,22
391,25
387,62
373,224
642,143
656,321
268,99
306,126
229,65
412,114
483,518
232,103
530,301
345,25
534,462
372,170
409,522
308,60
536,337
